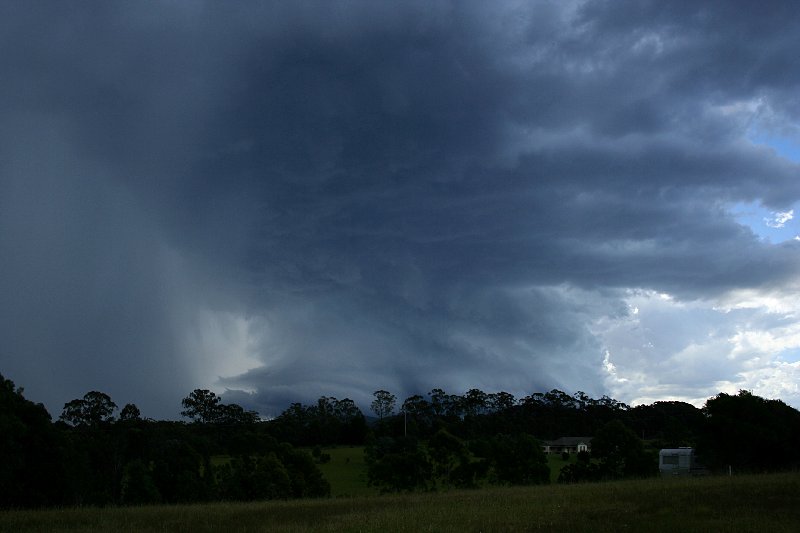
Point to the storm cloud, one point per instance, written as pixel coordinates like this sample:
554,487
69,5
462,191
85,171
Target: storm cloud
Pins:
280,201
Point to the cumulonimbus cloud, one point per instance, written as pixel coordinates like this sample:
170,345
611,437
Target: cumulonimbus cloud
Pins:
346,198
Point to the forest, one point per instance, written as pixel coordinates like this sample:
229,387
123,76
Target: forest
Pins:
97,453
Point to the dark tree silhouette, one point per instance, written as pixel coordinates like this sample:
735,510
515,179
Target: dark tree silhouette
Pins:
94,409
751,433
130,412
383,404
519,460
621,452
32,465
398,465
202,406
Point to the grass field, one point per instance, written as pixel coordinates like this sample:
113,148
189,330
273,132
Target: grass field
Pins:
746,503
347,472
556,463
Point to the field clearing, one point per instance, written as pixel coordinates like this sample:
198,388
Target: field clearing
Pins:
556,463
742,503
347,472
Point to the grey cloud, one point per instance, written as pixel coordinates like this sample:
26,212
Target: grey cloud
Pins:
403,195
472,340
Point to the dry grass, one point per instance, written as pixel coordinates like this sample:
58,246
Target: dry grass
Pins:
746,503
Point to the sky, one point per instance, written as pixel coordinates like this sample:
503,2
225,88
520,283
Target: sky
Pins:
283,200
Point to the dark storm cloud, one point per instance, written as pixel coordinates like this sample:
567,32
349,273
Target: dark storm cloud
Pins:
388,195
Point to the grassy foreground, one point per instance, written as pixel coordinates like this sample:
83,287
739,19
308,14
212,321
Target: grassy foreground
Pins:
745,503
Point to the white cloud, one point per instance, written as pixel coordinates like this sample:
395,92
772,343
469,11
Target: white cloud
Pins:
224,344
779,218
691,351
770,226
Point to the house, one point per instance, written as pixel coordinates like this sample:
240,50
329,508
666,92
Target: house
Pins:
567,444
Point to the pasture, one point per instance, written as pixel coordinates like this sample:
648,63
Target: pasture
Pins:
347,471
754,503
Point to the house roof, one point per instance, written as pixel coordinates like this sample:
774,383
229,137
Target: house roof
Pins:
569,441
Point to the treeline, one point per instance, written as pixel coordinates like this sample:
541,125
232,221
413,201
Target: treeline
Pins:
99,454
483,437
91,457
479,438
545,415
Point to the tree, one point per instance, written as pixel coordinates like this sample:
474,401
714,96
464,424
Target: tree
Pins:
73,412
439,400
559,399
749,433
383,404
235,415
178,472
416,406
501,401
581,471
417,415
621,452
475,402
32,465
130,412
202,406
353,428
322,423
346,410
398,465
138,487
246,478
94,409
306,478
447,452
519,460
445,405
672,423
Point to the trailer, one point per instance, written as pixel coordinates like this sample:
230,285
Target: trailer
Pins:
676,461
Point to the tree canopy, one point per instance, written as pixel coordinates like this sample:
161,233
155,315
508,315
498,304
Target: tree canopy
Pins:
383,404
94,409
749,433
437,440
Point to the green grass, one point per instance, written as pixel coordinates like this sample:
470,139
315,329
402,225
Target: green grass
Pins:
347,472
747,503
556,463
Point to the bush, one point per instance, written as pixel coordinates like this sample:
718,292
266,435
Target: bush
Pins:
398,465
621,453
138,487
519,460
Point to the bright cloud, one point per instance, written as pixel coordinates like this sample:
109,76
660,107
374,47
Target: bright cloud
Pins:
779,219
692,350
